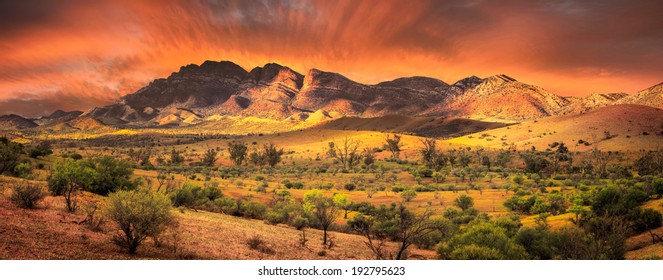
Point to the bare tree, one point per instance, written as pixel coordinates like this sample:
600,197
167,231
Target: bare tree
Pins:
600,162
401,225
347,154
376,240
411,227
165,180
393,145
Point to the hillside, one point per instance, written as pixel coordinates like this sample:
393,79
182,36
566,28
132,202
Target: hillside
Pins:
501,97
591,102
652,96
57,117
615,127
423,126
15,122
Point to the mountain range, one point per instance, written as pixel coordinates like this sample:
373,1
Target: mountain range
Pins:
213,90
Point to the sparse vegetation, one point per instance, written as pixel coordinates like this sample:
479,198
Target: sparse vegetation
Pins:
27,196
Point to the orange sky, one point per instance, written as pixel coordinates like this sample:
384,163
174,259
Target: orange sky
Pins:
80,54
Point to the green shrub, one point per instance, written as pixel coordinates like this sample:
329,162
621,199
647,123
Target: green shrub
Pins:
23,170
646,219
464,202
350,186
300,222
9,152
188,195
138,215
408,195
102,175
253,209
212,192
293,185
226,205
41,149
262,188
482,241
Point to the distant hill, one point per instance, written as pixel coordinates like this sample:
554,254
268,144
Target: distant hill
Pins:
614,127
501,97
591,102
652,96
15,122
57,117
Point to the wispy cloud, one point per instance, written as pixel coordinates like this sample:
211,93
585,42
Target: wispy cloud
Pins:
78,54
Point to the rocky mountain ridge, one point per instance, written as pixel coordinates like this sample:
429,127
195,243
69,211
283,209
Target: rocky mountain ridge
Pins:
212,90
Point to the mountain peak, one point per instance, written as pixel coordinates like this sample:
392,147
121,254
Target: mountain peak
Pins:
273,72
416,83
652,96
316,77
13,122
211,68
501,78
465,84
60,113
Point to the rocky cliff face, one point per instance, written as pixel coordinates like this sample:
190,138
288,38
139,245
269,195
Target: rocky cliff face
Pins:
195,93
272,91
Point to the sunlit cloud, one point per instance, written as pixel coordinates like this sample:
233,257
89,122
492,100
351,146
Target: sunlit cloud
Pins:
80,54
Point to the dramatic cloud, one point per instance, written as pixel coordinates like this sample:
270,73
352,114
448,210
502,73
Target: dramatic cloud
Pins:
80,54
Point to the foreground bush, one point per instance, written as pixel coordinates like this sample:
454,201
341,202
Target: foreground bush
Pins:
138,215
27,196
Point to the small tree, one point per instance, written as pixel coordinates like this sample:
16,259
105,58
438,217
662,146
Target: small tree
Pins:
257,157
43,148
650,163
396,223
9,152
343,202
369,157
322,208
430,156
67,178
410,228
464,202
209,158
503,159
408,195
110,175
393,145
238,152
176,157
272,154
347,154
375,234
138,215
